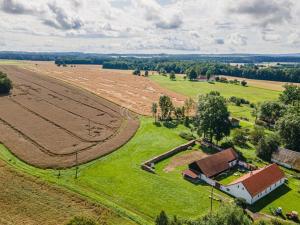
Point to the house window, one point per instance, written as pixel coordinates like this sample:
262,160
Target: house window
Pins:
227,189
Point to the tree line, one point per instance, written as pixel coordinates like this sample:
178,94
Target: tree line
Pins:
192,68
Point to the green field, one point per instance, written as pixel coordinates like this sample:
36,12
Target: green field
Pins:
194,89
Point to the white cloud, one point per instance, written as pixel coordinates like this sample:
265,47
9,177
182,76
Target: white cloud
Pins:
237,39
198,26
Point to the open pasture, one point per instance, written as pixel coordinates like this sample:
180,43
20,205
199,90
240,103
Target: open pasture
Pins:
50,124
194,89
119,86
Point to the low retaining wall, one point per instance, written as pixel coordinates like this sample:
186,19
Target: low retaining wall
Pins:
149,164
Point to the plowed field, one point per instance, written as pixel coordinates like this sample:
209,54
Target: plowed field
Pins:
50,124
136,93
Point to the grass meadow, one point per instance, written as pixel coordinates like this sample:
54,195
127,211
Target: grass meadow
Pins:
194,89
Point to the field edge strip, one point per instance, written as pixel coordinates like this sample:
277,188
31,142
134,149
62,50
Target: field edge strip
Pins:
20,166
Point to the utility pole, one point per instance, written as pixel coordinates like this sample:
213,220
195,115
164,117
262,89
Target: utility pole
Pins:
76,172
211,199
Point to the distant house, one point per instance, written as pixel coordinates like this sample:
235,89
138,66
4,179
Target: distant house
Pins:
203,78
251,187
256,184
287,158
234,122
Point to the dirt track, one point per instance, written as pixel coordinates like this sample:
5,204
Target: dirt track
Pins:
132,92
45,121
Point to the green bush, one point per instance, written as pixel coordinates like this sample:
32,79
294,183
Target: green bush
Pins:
5,84
227,144
187,136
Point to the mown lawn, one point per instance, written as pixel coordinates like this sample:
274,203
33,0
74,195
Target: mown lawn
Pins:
194,89
118,182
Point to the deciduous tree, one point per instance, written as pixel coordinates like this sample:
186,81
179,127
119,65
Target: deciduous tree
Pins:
212,119
166,107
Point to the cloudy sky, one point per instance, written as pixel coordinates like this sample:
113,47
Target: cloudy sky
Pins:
151,26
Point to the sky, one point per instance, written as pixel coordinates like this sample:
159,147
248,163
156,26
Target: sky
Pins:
151,26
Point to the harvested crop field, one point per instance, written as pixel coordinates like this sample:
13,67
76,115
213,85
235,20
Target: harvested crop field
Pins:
25,200
50,124
132,92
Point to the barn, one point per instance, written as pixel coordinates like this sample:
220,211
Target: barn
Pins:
256,184
212,165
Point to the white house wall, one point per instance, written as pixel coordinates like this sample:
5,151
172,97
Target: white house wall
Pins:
268,190
237,190
233,163
207,180
282,164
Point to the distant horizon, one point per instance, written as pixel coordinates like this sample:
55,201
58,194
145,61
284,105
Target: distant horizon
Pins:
163,53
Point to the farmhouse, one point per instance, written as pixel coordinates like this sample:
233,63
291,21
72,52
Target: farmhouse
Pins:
212,165
287,158
256,184
251,187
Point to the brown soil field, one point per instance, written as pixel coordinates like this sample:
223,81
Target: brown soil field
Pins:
25,200
123,88
47,123
184,159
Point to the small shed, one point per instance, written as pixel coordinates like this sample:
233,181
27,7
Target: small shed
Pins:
234,122
287,158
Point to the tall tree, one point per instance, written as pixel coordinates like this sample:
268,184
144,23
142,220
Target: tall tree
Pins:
266,146
290,95
271,111
162,219
154,110
189,104
212,119
166,107
209,73
192,74
172,75
288,128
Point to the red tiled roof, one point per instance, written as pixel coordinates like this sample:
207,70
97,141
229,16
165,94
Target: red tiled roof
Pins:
217,163
190,174
259,180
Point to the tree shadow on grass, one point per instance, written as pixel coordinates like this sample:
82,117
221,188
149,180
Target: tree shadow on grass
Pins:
170,124
157,124
209,150
262,203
